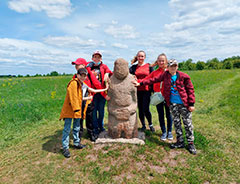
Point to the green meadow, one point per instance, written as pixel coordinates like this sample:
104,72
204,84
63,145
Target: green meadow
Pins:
30,138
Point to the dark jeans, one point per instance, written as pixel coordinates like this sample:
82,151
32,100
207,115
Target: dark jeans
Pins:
143,107
89,120
98,113
160,110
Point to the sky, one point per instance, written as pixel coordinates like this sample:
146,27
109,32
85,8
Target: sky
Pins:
41,36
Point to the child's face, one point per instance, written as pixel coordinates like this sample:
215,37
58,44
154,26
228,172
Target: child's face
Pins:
173,69
96,58
141,57
82,77
161,61
79,66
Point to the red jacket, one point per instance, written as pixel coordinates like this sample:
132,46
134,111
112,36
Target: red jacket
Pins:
103,69
183,84
156,86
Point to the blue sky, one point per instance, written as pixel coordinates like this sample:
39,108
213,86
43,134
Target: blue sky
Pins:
40,36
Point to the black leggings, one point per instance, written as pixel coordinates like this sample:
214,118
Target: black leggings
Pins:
143,107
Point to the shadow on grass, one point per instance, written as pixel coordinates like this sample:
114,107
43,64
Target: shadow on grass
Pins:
53,143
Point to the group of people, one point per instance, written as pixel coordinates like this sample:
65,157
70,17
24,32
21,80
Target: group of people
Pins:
87,94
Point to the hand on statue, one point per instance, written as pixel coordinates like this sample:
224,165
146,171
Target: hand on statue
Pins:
107,98
136,83
191,108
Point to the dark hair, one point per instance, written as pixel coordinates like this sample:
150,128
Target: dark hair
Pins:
82,71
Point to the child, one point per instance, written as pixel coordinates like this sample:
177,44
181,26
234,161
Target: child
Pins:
91,82
72,109
101,72
179,96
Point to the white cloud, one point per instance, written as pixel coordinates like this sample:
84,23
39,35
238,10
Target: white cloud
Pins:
54,8
200,30
92,26
74,42
119,45
126,31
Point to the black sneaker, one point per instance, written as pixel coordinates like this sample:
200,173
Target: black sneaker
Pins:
143,129
177,145
191,148
80,146
66,153
152,129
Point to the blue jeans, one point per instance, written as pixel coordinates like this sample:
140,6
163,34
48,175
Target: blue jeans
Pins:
98,113
66,132
160,110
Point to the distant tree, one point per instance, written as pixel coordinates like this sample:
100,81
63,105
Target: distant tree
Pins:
228,65
200,65
27,75
54,73
213,64
19,75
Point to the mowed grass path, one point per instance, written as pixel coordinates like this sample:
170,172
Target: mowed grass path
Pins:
30,138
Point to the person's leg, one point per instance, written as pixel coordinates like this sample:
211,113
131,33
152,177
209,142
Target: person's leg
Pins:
95,111
101,109
140,109
174,109
187,121
169,122
146,110
160,111
66,132
81,128
89,119
76,129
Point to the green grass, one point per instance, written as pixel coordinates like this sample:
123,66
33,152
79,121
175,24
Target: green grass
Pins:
30,138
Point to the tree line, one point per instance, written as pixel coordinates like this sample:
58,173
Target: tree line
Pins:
228,63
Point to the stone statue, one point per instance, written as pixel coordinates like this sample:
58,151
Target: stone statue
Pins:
122,106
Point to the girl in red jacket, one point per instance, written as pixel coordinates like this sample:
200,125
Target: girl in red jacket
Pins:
162,64
141,70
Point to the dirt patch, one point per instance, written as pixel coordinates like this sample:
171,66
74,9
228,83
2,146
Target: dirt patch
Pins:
158,169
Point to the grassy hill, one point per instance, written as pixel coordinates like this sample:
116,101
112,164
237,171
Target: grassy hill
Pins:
30,138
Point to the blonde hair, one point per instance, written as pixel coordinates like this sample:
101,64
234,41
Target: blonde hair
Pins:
155,62
135,57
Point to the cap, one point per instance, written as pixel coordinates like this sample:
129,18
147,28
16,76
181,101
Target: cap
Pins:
80,61
172,62
97,52
82,71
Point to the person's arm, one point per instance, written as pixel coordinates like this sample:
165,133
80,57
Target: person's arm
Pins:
97,90
88,98
72,91
190,92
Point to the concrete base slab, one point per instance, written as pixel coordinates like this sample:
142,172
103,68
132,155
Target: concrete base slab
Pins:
105,138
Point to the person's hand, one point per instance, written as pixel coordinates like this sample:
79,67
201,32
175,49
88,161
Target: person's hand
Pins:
106,77
107,85
191,108
107,98
136,83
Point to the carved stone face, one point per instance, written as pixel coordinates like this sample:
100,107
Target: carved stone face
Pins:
121,69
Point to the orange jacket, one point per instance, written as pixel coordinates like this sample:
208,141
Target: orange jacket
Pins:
72,107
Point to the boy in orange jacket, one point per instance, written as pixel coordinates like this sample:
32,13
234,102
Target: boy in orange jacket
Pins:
72,109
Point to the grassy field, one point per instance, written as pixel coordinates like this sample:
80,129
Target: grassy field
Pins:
30,138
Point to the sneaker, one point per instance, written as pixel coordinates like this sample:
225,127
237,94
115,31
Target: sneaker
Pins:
191,148
152,129
66,153
143,129
177,145
80,146
170,136
164,136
